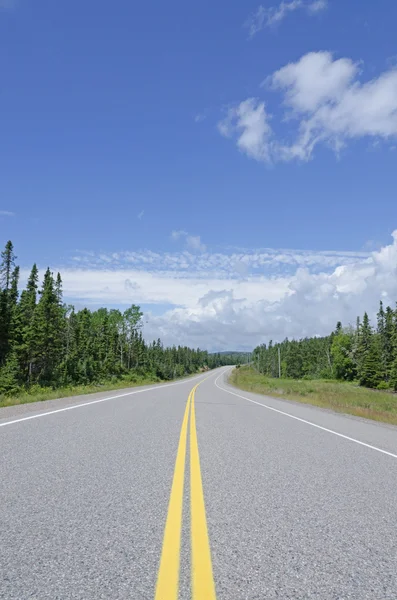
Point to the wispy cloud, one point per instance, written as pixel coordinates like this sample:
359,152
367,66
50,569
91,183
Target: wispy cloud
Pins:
7,213
140,215
177,234
235,263
199,117
192,241
317,6
213,306
325,103
268,17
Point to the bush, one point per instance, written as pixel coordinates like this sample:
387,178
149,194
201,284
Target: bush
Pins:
9,380
383,385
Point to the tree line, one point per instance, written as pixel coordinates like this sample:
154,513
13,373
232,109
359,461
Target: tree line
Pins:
364,353
46,343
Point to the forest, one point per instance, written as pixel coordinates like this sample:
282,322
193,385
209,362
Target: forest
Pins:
45,343
362,353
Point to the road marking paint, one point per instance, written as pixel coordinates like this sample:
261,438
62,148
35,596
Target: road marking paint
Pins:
281,412
167,587
168,576
203,585
59,410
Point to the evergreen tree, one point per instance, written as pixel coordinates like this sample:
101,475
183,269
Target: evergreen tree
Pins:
388,342
24,339
369,370
382,341
43,341
8,297
46,328
9,375
7,265
393,361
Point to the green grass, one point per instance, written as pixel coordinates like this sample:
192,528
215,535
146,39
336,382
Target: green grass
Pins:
339,396
39,394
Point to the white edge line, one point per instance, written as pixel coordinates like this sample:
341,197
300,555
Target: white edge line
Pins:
58,410
346,437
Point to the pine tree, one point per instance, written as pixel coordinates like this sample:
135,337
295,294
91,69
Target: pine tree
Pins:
10,375
8,296
6,266
45,335
393,361
382,341
369,371
388,342
24,315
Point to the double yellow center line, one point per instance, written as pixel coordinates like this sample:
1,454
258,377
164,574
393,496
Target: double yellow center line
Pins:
203,587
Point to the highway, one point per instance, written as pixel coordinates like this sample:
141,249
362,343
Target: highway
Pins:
195,490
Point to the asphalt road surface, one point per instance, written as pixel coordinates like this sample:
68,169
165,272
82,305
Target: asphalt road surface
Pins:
203,492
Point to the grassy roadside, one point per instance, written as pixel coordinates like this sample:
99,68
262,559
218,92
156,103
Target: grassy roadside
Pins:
40,394
339,396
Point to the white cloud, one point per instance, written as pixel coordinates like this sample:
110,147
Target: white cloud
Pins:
176,235
199,117
140,215
325,103
317,6
192,241
237,263
314,80
215,305
250,120
268,17
304,304
6,213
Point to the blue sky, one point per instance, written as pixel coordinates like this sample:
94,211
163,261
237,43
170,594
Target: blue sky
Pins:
167,154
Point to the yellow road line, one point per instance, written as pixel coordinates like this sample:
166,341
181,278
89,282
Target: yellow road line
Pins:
168,576
202,577
203,586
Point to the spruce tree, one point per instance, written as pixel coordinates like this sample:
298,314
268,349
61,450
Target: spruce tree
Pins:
381,340
46,328
7,265
24,315
369,370
10,375
393,362
388,341
8,297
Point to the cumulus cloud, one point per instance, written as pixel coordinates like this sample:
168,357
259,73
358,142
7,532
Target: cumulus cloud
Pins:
250,121
212,305
268,17
307,304
324,102
192,241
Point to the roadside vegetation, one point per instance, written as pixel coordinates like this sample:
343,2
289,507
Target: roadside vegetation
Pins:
48,349
347,397
352,370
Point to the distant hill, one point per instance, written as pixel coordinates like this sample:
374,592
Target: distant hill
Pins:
233,357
